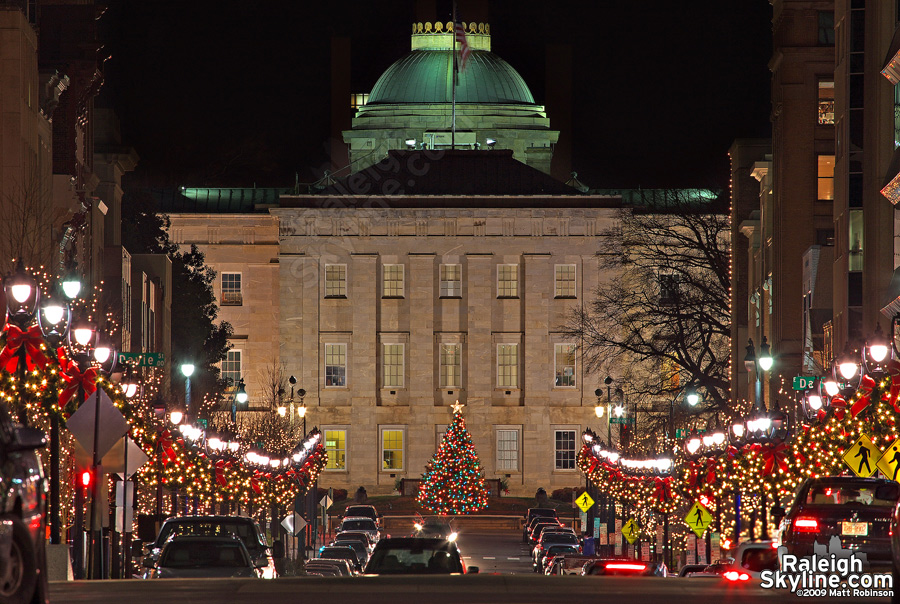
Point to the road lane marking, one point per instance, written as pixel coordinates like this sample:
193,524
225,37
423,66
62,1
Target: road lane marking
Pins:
513,559
490,558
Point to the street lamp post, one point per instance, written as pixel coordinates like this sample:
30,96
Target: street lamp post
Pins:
187,370
759,365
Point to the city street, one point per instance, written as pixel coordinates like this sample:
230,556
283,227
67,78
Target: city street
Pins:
505,576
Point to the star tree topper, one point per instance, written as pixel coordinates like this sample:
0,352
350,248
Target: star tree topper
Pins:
457,407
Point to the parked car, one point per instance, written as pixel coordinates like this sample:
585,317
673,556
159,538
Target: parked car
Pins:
855,510
567,564
335,552
554,550
533,513
337,567
244,528
359,524
753,557
536,522
362,511
360,536
624,567
552,537
693,571
433,528
413,555
362,552
539,529
204,557
23,513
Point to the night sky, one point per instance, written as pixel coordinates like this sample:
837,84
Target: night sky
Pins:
237,93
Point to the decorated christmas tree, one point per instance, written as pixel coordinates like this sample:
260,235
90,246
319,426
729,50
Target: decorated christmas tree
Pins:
453,482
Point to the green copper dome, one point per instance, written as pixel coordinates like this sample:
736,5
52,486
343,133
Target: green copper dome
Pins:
424,76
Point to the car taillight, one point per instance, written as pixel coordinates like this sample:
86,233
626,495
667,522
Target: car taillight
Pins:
625,566
805,524
734,575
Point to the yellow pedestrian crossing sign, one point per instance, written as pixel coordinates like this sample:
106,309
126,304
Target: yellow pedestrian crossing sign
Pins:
861,457
584,502
698,518
631,531
889,463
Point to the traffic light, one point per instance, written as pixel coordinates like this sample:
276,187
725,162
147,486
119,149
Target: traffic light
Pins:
87,479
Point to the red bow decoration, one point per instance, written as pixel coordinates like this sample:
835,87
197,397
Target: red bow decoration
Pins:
663,490
840,406
254,482
710,470
866,384
31,339
75,378
732,451
165,447
774,455
894,371
220,472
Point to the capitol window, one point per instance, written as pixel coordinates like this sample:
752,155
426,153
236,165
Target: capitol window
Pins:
565,281
507,280
392,284
335,280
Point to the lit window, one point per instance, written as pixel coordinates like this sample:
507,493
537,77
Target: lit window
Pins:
507,280
565,449
451,364
508,365
565,281
335,365
826,102
565,365
826,177
393,281
231,289
391,449
358,99
336,446
231,368
393,365
451,281
335,280
507,450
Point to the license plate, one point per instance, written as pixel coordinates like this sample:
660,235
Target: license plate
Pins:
856,529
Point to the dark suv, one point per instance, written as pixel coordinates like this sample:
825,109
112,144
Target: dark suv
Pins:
23,513
244,528
857,511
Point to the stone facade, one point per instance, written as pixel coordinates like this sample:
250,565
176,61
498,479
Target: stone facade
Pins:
287,315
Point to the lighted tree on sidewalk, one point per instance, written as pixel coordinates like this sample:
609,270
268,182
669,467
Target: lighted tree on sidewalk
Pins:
453,482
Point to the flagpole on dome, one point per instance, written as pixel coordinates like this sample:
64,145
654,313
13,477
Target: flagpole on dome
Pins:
455,78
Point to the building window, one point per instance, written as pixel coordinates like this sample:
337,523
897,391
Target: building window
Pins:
565,281
231,289
358,99
507,450
451,281
507,280
393,365
565,449
392,286
826,177
231,368
391,449
856,239
451,365
668,289
335,365
336,446
335,280
565,365
826,102
508,365
826,28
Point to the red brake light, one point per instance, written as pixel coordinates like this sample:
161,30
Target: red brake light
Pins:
734,575
626,566
806,524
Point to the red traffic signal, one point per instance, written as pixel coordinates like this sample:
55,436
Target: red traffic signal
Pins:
86,478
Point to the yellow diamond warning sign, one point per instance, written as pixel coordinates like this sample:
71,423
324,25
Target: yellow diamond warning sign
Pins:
861,457
889,463
698,518
584,502
631,531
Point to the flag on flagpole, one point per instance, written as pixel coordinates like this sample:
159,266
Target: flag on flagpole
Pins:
464,50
